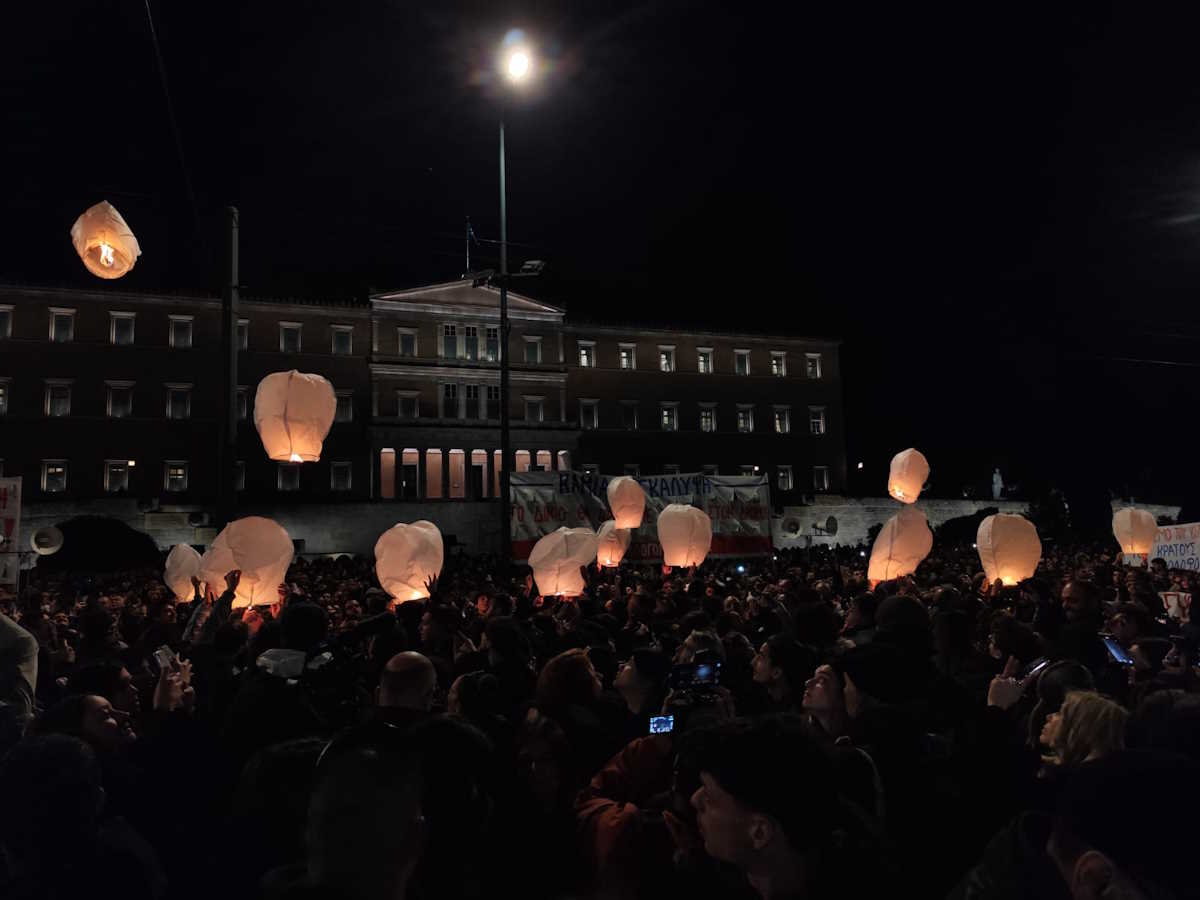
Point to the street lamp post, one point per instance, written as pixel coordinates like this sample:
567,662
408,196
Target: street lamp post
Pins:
516,67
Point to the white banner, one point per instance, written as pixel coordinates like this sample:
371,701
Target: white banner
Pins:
739,505
1178,546
1177,603
10,530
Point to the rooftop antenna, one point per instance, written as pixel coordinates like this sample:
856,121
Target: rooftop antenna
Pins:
470,237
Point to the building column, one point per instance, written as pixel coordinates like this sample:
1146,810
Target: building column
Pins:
445,473
421,473
491,474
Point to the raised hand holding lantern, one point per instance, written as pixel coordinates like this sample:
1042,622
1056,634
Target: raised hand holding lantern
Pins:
612,543
1134,529
260,549
627,501
183,563
907,475
903,542
293,412
685,534
407,556
556,560
104,242
1009,548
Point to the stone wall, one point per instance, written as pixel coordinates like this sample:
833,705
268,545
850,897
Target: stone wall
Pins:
354,527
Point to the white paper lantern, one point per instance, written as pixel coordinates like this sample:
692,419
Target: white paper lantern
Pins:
685,534
182,563
406,557
903,542
260,548
612,543
907,475
1134,529
1009,548
104,242
557,557
293,412
627,501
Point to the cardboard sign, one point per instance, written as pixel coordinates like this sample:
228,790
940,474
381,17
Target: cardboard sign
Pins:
1178,604
1178,546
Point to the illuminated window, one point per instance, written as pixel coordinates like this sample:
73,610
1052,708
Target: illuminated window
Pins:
471,339
816,419
820,478
587,355
745,418
778,363
627,356
450,341
783,420
669,416
54,476
704,360
812,364
708,418
666,359
783,477
243,334
175,477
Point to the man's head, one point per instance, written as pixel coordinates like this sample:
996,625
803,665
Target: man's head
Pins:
54,782
109,680
1102,842
766,790
366,830
1079,600
643,676
407,681
88,717
1128,623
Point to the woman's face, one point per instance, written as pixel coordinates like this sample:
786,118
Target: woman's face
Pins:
1050,729
764,672
823,692
100,723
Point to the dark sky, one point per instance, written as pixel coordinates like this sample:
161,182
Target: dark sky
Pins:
996,207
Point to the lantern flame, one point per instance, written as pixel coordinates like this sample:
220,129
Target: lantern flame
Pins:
295,457
106,255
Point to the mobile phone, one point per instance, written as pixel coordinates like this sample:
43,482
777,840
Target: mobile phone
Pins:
662,724
1033,668
1117,652
687,675
164,656
741,570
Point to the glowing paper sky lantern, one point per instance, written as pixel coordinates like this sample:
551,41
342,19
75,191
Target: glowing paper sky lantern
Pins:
1134,529
1009,548
557,557
685,534
104,242
406,557
182,563
903,542
260,548
907,475
612,544
293,412
627,501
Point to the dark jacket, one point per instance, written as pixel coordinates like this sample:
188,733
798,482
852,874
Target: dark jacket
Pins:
1015,864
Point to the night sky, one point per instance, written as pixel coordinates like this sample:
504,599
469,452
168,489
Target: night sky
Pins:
997,207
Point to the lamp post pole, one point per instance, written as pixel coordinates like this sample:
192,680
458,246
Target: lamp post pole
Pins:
505,437
229,343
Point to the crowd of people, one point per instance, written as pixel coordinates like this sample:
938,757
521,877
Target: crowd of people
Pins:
769,727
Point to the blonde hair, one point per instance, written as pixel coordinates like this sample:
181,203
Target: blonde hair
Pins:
1092,726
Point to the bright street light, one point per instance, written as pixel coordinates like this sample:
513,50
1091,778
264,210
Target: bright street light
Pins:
518,65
